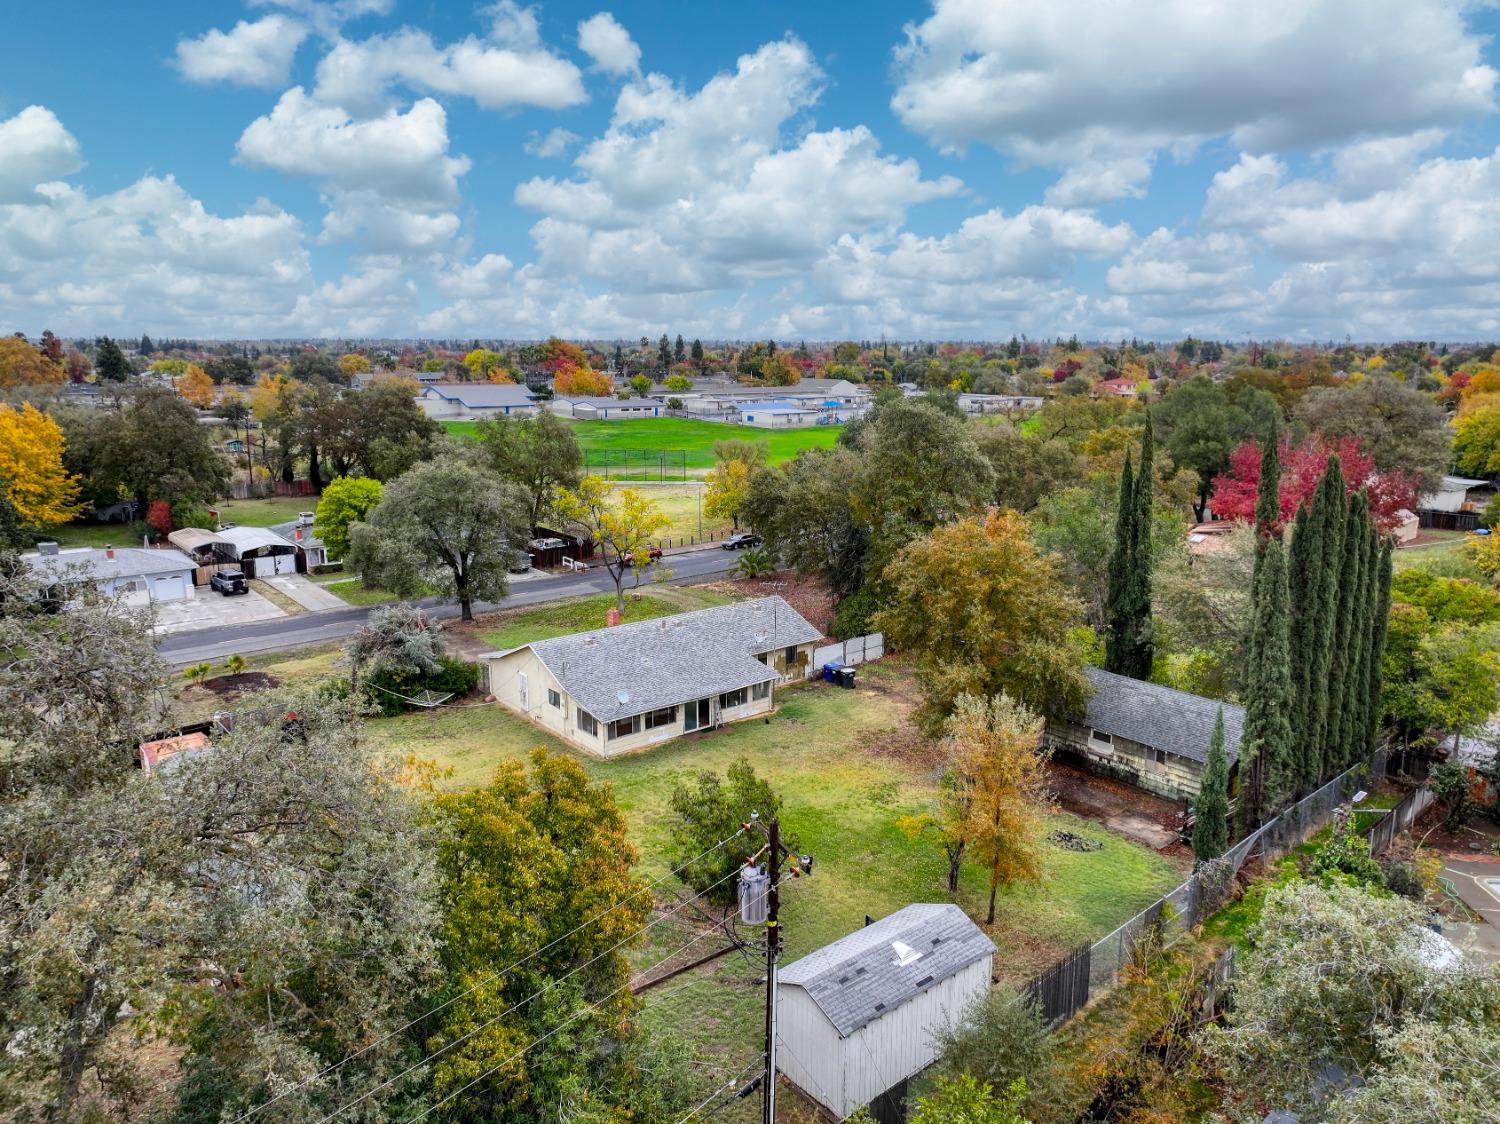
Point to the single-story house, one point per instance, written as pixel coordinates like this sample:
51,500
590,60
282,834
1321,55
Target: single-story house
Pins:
979,404
1151,736
468,401
1117,388
261,551
617,689
598,408
1456,505
859,1017
299,532
138,575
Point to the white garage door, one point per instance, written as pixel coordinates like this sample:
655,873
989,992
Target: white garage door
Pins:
167,588
284,563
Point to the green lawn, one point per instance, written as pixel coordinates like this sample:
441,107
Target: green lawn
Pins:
249,513
694,438
845,785
580,614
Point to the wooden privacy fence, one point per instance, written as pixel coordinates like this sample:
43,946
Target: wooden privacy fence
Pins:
1058,992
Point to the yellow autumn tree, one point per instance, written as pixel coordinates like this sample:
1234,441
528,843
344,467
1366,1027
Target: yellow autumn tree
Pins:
266,394
353,363
728,485
622,522
1001,781
196,387
583,381
31,468
23,365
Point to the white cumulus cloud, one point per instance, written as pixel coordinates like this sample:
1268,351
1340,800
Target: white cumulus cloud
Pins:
249,54
1071,82
37,148
604,40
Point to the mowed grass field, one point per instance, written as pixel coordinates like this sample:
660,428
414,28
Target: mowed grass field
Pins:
694,438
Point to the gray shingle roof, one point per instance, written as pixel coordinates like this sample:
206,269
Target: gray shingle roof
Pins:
128,562
1175,721
634,668
859,978
483,395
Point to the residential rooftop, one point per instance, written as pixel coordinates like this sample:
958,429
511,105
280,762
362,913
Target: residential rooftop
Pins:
1168,719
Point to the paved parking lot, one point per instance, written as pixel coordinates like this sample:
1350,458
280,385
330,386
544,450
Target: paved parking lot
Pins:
207,609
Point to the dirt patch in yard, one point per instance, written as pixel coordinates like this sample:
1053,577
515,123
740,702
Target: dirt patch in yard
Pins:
1120,807
241,683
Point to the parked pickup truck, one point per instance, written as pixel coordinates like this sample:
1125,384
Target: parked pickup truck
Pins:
229,582
741,540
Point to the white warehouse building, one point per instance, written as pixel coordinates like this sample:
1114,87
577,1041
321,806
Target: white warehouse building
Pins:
857,1018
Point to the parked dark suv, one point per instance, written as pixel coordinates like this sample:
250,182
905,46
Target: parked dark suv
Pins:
229,582
741,540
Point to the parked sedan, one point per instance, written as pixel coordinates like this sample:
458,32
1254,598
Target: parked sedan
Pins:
653,554
229,582
741,540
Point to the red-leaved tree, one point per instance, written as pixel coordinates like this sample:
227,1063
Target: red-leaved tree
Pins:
1301,468
159,516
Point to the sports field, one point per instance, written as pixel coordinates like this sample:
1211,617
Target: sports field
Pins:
694,438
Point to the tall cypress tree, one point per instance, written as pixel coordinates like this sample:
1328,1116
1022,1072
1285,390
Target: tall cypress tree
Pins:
1130,645
1268,491
1121,563
1266,745
1304,586
1381,608
1356,685
1329,510
1350,552
1211,808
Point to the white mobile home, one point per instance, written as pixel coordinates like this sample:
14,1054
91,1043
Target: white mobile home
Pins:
632,686
858,1017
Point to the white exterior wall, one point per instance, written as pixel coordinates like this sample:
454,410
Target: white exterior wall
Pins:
852,1072
504,679
145,589
1445,501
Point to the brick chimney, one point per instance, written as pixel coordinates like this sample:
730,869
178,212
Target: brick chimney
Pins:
297,532
109,552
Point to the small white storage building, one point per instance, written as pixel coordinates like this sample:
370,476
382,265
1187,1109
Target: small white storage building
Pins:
858,1017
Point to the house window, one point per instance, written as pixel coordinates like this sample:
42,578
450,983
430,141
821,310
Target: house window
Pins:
587,724
1156,759
666,716
1101,742
732,698
760,691
791,654
553,698
624,727
761,657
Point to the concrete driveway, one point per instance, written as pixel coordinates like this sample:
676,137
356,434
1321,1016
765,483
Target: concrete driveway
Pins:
207,609
1478,884
310,595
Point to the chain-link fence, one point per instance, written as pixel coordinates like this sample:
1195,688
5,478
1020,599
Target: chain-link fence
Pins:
1056,992
637,464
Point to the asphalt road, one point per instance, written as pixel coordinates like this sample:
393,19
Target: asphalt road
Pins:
213,645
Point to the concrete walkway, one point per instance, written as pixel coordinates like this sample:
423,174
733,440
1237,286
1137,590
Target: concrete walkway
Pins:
311,596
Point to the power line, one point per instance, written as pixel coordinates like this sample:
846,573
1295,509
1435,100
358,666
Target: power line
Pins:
730,1084
536,1041
487,979
516,1006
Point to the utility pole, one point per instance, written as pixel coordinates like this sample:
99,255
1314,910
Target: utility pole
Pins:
773,950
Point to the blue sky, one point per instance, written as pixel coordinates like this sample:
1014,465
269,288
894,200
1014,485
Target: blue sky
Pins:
963,168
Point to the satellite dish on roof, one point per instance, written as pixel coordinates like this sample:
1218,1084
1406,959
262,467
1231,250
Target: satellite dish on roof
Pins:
905,954
623,696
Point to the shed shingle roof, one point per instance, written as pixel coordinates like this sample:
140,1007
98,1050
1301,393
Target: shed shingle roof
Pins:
634,668
859,978
1175,721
